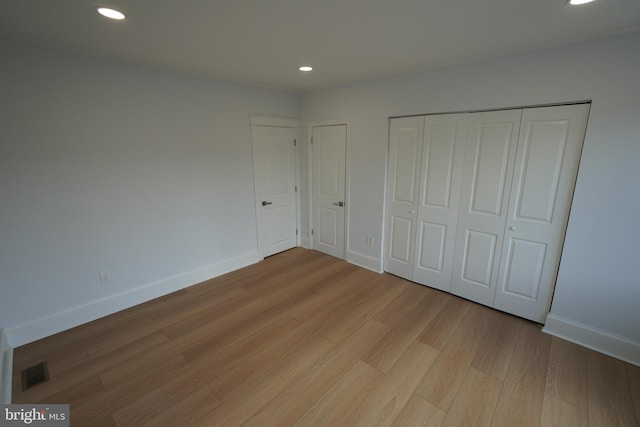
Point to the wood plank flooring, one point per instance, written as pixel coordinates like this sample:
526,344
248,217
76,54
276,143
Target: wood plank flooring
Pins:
303,339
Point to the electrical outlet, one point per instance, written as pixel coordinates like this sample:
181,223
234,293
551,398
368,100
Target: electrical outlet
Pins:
370,241
105,277
221,243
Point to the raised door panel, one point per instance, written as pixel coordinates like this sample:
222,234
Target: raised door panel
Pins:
442,160
489,163
546,165
280,230
403,173
327,227
329,159
479,255
432,243
405,166
401,238
329,154
486,183
524,260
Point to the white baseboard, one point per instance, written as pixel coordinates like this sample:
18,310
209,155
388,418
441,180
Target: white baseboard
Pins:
6,369
67,319
305,242
593,338
364,261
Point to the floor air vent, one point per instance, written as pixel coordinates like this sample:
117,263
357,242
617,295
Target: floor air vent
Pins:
34,375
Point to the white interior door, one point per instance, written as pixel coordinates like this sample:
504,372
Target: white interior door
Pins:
275,184
329,152
442,159
403,178
486,182
546,165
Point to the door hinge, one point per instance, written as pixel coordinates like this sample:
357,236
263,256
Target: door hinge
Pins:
294,142
312,231
296,231
296,187
312,140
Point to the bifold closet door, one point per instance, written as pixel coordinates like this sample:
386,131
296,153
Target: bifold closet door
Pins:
546,166
403,177
477,204
486,182
441,174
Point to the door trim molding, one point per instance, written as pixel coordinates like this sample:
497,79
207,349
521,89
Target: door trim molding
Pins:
274,121
281,122
347,176
484,110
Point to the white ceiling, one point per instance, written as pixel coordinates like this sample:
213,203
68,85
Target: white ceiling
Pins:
263,42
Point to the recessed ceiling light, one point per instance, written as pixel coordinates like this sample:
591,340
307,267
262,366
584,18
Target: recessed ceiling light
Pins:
305,68
110,13
579,2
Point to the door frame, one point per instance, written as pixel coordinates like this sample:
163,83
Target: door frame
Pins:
347,177
282,122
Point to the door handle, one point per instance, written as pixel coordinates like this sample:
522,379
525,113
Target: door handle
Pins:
265,203
339,204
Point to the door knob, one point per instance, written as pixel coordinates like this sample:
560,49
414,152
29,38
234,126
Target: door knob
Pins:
412,211
512,228
265,203
339,204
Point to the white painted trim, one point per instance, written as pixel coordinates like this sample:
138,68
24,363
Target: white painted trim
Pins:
383,236
304,242
296,150
364,261
281,122
6,369
347,176
593,338
75,316
310,181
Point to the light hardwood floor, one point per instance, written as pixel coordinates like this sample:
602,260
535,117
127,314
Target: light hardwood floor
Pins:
305,339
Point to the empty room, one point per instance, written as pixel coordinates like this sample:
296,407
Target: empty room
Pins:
297,213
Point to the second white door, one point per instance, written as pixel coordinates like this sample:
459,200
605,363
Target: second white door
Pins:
329,152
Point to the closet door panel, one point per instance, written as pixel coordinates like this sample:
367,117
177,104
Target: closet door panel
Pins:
524,260
486,183
479,257
549,148
403,179
442,159
432,246
401,238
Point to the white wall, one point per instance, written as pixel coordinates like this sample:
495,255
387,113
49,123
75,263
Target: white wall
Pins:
598,288
126,169
107,166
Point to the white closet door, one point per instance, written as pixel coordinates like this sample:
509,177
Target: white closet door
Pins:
546,165
488,170
405,143
442,160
